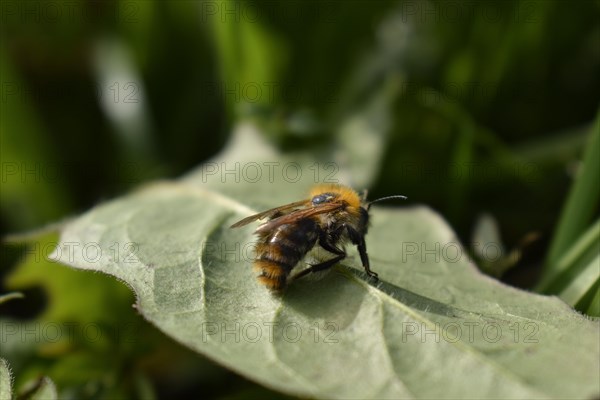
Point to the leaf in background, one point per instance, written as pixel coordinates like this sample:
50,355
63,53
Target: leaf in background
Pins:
39,389
594,307
584,282
251,167
486,235
5,380
576,275
363,134
580,205
488,250
10,296
244,46
579,257
431,313
86,334
58,282
123,99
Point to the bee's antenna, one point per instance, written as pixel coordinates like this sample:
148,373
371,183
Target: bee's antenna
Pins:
398,196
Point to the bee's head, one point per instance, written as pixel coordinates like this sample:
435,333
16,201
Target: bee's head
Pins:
332,192
353,207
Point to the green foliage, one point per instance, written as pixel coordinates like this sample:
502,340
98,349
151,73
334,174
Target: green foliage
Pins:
582,201
575,275
36,389
87,336
468,108
573,262
40,389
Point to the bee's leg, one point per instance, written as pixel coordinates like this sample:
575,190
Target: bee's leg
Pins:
364,257
359,241
320,267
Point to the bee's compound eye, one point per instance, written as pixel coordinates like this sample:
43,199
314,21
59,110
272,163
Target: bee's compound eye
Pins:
322,198
318,199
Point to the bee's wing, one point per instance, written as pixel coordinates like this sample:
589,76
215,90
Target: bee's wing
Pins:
297,215
269,213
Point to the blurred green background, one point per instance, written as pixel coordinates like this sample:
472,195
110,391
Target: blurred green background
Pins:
480,108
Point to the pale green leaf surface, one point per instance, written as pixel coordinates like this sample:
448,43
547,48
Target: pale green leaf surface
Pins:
5,381
340,336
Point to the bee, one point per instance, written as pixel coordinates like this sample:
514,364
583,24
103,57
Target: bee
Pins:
332,216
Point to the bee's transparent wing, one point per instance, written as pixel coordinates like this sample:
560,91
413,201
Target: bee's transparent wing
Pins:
298,215
270,213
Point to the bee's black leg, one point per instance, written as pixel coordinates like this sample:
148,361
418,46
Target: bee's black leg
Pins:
320,267
362,250
359,241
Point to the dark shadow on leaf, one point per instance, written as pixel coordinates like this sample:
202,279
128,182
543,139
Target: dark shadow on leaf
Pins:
411,299
322,298
324,295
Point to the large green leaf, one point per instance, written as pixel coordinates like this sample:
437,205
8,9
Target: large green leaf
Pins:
432,327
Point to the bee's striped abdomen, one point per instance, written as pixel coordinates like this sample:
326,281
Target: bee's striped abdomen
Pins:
278,252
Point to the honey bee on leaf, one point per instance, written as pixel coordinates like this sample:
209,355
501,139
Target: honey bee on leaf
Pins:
332,216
